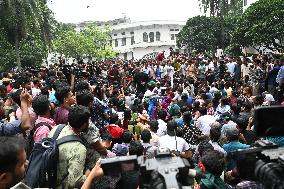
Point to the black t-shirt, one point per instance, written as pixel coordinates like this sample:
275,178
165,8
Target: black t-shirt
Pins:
191,134
250,137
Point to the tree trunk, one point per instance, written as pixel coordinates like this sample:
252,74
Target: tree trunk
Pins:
17,49
222,33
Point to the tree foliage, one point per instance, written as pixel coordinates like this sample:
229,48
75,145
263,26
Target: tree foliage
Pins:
24,20
89,42
261,24
222,8
201,33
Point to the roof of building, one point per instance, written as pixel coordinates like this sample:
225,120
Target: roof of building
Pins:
147,23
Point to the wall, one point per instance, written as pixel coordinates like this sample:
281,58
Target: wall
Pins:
248,3
141,48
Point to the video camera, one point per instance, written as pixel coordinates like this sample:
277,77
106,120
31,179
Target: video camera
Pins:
269,157
164,171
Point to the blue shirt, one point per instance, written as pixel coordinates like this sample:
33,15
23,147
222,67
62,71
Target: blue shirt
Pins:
233,146
272,75
280,75
179,122
11,128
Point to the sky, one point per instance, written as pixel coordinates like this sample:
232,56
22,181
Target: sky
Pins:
74,11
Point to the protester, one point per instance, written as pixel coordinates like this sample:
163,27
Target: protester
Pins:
193,104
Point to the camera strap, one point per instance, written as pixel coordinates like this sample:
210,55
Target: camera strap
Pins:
176,139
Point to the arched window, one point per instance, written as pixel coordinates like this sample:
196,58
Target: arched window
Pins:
158,36
151,36
145,37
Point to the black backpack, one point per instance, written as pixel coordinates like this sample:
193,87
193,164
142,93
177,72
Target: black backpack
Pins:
30,138
42,169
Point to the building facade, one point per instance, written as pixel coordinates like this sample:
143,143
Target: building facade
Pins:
247,3
136,40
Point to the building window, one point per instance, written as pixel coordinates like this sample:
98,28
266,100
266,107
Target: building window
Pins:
115,43
176,36
125,56
145,37
172,36
132,33
158,36
115,34
176,29
123,42
151,36
123,33
245,2
132,40
172,29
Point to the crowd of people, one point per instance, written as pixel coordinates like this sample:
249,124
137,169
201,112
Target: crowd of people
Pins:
200,108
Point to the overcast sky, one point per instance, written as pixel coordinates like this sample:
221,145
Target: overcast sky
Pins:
73,11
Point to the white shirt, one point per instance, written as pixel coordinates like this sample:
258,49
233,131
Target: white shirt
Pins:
35,92
148,93
245,69
217,147
173,143
203,123
231,67
177,97
162,130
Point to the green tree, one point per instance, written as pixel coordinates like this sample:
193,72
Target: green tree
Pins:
261,25
19,19
222,9
89,42
200,33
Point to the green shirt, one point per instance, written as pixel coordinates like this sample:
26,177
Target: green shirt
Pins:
72,156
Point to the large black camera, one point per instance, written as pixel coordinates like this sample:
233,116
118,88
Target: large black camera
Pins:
162,172
269,157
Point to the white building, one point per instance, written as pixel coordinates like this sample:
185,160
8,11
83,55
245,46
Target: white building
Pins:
247,3
134,40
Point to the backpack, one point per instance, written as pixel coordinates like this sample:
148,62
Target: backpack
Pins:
42,168
30,139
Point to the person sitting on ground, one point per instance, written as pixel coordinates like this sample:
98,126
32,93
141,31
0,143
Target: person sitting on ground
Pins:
154,126
190,132
233,135
174,143
122,149
149,150
204,121
212,164
215,134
